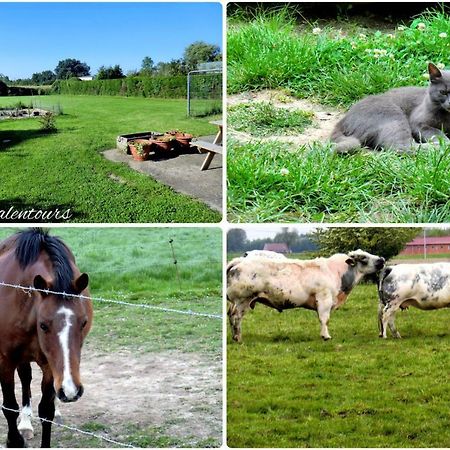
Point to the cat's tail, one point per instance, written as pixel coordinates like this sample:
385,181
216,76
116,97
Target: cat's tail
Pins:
343,143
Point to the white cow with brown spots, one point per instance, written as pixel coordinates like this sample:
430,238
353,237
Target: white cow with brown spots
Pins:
321,284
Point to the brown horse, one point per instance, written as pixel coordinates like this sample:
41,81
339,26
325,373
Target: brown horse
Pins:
40,326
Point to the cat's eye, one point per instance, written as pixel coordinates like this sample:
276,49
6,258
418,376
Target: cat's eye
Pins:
443,92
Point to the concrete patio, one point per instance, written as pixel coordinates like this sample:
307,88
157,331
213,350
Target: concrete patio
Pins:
180,171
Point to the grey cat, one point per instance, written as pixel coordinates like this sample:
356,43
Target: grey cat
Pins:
399,119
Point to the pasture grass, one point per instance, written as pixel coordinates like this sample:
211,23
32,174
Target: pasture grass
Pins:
268,182
340,64
263,119
66,170
288,388
136,265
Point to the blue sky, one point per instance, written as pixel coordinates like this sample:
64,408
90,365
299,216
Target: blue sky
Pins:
35,36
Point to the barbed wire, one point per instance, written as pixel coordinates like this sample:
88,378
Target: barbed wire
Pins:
72,428
30,289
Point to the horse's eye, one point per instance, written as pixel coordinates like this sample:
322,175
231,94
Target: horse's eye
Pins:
44,327
83,324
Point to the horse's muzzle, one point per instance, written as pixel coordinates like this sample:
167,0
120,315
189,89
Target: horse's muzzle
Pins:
63,397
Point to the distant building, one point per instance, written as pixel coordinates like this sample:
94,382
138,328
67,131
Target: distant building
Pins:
439,244
89,78
277,247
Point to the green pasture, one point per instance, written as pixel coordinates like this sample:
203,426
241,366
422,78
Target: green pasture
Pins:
136,265
333,63
288,388
66,169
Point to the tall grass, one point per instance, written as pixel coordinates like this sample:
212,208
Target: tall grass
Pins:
334,67
268,182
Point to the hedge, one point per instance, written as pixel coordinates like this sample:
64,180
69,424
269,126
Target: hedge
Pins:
163,87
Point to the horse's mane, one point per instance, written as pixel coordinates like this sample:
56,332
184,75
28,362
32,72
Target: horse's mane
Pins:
30,243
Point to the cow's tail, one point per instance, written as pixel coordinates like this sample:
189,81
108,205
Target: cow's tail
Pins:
383,275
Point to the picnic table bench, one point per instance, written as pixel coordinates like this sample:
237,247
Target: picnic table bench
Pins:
210,148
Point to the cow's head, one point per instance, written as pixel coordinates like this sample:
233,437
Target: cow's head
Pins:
364,262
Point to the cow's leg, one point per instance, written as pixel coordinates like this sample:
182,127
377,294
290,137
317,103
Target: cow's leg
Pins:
380,319
388,319
235,314
47,405
25,426
14,438
324,305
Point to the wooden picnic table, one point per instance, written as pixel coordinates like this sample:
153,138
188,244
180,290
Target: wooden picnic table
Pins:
211,148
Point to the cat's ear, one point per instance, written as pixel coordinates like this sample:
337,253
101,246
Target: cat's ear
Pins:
435,73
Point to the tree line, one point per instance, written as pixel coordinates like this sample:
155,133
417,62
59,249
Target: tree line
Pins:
194,54
382,241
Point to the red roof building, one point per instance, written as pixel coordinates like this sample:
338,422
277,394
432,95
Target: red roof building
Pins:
277,247
440,244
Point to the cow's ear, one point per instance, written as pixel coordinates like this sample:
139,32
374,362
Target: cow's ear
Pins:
351,262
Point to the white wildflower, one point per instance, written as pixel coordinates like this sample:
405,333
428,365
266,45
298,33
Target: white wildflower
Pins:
284,171
421,26
442,35
362,35
440,66
390,36
401,28
353,45
426,76
368,50
317,30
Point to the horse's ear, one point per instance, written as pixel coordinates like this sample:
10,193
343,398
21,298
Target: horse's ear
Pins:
41,284
81,282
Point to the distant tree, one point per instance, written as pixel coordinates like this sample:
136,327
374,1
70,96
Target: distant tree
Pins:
147,66
3,88
200,52
236,240
68,68
4,78
172,68
382,241
45,77
110,73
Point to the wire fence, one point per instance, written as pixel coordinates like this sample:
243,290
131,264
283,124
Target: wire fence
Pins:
29,289
72,428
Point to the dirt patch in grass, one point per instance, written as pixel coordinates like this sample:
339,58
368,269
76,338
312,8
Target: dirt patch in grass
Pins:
324,120
178,396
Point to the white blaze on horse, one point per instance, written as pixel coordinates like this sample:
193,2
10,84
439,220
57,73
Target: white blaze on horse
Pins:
42,327
424,286
321,284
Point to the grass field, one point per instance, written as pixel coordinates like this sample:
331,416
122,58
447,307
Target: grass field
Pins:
66,170
136,265
288,388
333,64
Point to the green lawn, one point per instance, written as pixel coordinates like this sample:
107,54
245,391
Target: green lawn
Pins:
336,64
288,388
66,170
136,265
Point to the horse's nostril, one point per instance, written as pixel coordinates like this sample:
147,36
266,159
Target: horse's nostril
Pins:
80,391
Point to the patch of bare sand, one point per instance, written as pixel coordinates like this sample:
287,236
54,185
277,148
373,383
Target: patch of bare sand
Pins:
180,392
325,118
